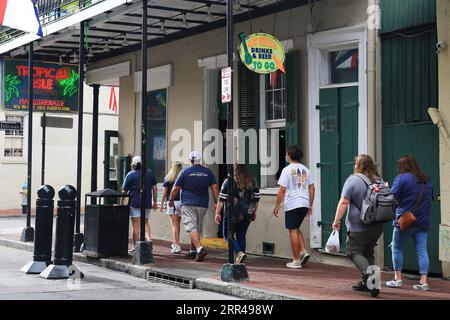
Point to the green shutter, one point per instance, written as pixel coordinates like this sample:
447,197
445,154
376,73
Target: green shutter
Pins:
248,89
292,103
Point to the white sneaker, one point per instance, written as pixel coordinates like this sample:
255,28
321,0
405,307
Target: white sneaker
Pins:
175,248
421,287
294,264
394,284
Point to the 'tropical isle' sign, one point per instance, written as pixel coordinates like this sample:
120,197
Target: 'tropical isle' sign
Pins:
55,87
262,53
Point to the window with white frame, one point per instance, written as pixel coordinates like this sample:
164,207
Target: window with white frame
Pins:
343,66
275,95
275,92
13,146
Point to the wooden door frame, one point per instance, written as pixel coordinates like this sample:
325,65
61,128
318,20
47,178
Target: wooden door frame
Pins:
319,44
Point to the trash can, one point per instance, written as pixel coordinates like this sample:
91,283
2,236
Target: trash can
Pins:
106,224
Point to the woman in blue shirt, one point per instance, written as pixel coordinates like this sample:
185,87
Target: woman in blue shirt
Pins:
414,192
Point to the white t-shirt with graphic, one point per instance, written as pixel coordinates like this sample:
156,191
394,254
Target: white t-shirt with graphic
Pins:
296,178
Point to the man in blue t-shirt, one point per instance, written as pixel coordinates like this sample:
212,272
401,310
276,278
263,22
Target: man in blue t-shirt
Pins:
194,183
132,186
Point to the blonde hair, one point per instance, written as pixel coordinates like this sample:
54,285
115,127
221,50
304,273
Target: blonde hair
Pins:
243,178
174,171
365,165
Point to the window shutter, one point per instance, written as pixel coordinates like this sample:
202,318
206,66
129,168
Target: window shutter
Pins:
292,104
248,92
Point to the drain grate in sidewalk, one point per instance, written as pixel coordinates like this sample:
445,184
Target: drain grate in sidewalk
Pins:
156,276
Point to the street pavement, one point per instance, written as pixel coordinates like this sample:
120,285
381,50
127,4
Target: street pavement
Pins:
98,284
269,277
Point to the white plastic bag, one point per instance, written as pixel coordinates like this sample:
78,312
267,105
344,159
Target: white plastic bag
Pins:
333,245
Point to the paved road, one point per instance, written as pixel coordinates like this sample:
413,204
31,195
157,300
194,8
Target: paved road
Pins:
98,284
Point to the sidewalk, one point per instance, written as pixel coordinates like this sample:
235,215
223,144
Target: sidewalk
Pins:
269,278
18,213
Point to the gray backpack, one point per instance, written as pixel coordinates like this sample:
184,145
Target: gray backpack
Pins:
379,204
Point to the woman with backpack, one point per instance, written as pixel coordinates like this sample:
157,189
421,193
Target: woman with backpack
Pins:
175,212
361,238
246,198
414,193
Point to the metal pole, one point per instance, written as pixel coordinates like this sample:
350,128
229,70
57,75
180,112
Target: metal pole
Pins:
230,204
30,131
94,160
43,125
78,236
143,118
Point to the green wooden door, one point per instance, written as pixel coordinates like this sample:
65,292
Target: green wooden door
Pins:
419,140
409,87
348,129
338,148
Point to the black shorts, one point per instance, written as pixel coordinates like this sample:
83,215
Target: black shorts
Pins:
295,217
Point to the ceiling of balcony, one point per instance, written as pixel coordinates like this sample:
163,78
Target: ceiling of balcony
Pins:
118,31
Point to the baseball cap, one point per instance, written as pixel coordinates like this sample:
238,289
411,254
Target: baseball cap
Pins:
194,155
136,160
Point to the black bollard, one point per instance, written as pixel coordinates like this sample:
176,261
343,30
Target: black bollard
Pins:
42,253
65,222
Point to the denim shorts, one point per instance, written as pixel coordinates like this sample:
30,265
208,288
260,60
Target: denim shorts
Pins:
136,213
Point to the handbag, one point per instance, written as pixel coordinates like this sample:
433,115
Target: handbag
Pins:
408,218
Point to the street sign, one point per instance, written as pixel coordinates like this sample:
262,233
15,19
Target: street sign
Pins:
10,125
57,122
226,85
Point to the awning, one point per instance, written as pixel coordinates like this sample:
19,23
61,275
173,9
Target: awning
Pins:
113,27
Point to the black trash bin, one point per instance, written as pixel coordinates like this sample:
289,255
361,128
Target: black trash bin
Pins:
106,224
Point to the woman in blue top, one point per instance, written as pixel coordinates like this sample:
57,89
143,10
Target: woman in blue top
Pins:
414,192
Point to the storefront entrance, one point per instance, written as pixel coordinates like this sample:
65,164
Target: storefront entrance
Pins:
338,148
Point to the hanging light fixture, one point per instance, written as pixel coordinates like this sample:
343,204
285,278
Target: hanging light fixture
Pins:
74,58
185,23
106,48
210,15
125,43
163,29
237,6
91,53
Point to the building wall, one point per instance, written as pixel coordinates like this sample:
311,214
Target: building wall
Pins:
185,96
61,153
443,24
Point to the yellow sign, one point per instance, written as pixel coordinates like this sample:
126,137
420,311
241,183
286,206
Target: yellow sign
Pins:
262,53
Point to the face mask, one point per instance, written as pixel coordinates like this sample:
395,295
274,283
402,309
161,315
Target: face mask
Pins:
287,161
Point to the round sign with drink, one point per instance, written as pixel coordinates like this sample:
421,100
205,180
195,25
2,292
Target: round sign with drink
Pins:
262,53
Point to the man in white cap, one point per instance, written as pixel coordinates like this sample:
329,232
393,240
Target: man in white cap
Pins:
194,183
132,185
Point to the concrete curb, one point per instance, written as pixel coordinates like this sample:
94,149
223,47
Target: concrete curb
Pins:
205,284
236,290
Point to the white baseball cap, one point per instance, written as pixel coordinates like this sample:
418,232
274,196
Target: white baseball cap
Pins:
194,155
136,160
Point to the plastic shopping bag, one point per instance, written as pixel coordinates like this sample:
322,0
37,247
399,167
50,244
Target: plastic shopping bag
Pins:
333,245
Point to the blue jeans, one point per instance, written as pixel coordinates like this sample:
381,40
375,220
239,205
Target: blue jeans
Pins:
399,239
240,232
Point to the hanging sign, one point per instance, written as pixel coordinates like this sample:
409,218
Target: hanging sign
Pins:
226,85
262,53
55,87
10,125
